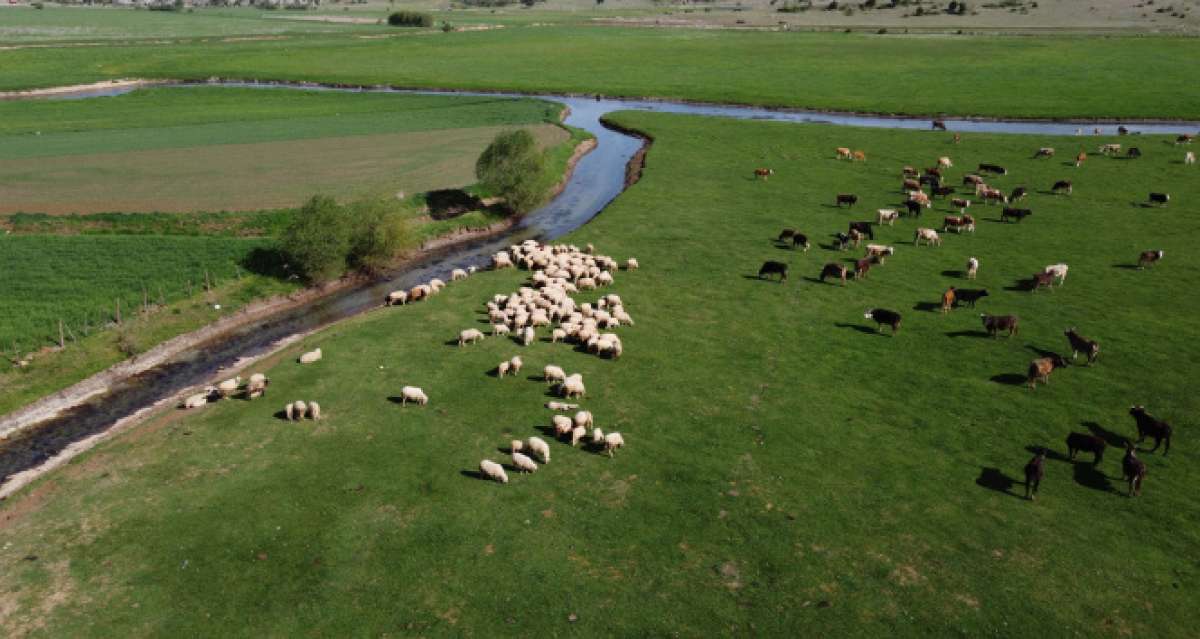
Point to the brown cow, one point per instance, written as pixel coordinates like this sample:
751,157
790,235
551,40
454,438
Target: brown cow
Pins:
860,156
843,153
862,267
1035,470
996,323
1081,158
1040,369
1043,280
948,300
763,173
1148,258
1134,470
834,270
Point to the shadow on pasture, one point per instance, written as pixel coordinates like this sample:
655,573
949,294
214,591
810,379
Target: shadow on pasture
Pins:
1127,267
451,342
995,479
969,333
267,261
473,474
1027,284
861,329
398,400
955,273
829,282
830,247
775,280
1088,476
1109,437
928,307
1050,453
1041,352
546,431
535,378
280,415
1011,379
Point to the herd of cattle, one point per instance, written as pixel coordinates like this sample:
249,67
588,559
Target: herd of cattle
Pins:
913,187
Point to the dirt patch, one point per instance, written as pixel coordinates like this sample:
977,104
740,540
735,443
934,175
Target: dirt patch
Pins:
906,575
967,600
730,575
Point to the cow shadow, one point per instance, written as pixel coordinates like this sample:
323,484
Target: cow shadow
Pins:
1109,437
860,328
929,307
817,280
968,333
1089,476
1127,267
995,479
763,279
1070,163
1041,352
1050,453
1028,284
1011,379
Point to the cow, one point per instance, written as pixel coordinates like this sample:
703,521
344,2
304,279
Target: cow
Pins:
958,224
1081,344
1133,152
1059,271
861,268
910,185
843,153
785,235
856,237
1018,193
948,300
842,241
913,207
1085,443
909,172
991,196
801,240
969,296
934,170
1081,158
834,270
1061,186
1160,199
880,252
961,204
957,138
1133,470
1149,426
1035,470
773,268
1189,157
1185,138
859,156
1044,152
763,173
930,180
864,228
992,168
972,179
1040,369
1109,149
943,191
1043,280
920,198
944,162
996,323
1148,258
939,125
849,199
930,237
884,317
886,216
1014,213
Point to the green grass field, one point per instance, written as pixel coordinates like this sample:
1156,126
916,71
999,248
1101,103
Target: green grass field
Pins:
788,471
1054,76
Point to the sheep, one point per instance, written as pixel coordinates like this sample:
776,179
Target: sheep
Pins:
540,448
396,298
419,292
501,260
229,386
502,369
527,336
199,399
586,284
492,470
972,268
622,317
257,386
458,274
311,356
563,406
524,464
573,386
562,425
516,363
469,336
1059,271
597,437
289,411
436,285
554,373
499,329
631,264
583,418
414,394
613,441
1035,470
516,446
558,335
1189,157
944,162
604,279
299,410
577,435
314,411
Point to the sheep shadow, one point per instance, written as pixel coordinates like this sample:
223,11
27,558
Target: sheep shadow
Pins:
955,273
452,342
1088,476
862,329
1010,379
397,399
546,431
1109,437
281,415
1050,453
535,378
928,307
995,479
968,333
474,474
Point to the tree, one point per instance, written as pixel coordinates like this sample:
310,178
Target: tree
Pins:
511,167
318,239
379,233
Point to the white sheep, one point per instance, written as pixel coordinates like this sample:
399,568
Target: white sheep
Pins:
396,298
583,418
469,336
524,463
492,470
613,441
499,329
229,386
558,335
289,411
573,386
597,437
586,283
314,411
198,400
563,406
501,260
516,363
631,264
562,425
622,317
516,446
458,274
311,356
257,386
972,268
554,373
413,394
577,435
299,410
527,336
502,369
604,279
539,447
436,285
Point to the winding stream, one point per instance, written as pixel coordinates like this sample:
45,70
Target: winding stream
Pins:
599,177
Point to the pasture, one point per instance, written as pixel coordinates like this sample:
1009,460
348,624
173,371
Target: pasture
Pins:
788,469
1052,76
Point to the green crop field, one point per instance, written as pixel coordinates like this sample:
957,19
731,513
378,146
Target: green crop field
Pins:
789,471
1053,76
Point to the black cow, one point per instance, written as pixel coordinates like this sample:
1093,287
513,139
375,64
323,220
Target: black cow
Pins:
1018,193
1121,130
849,199
1160,198
800,239
774,268
1062,185
1014,213
939,125
785,235
996,323
1133,152
943,191
913,207
1149,426
1035,470
843,241
884,317
1134,470
834,270
970,295
1082,442
993,168
1081,344
864,228
932,180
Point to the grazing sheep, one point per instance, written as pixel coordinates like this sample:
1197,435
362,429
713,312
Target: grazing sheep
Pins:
516,363
972,268
577,435
883,316
229,386
1059,271
1147,425
1040,369
554,373
538,446
299,410
613,441
558,335
516,446
1082,442
501,260
396,298
499,329
996,323
257,386
1149,258
413,394
458,274
1189,157
563,406
314,411
436,285
311,356
1081,344
583,418
469,336
1134,470
1035,470
289,411
631,264
562,425
492,470
527,336
573,386
502,369
199,399
622,317
597,437
523,463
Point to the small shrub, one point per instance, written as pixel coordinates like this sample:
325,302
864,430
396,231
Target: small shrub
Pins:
511,166
317,242
410,19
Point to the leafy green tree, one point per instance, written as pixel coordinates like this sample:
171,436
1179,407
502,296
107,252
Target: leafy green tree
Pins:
318,240
511,167
379,233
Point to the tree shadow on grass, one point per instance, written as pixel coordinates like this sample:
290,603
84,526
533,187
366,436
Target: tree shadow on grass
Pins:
270,262
1088,476
861,329
1011,379
995,479
1109,437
